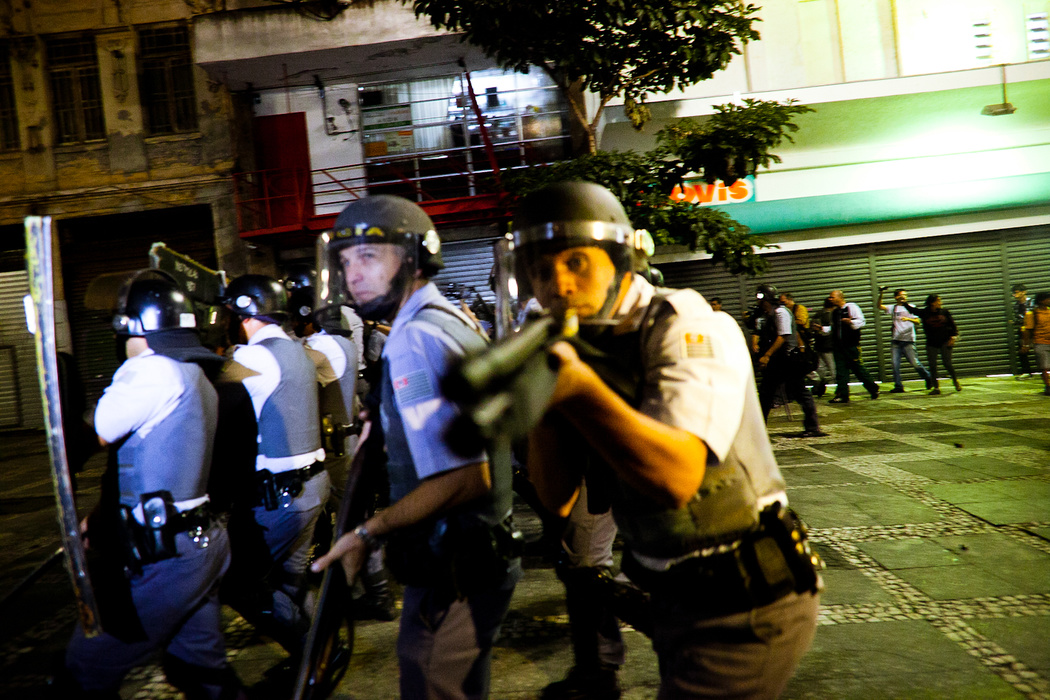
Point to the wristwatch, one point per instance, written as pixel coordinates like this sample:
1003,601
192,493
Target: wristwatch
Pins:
370,540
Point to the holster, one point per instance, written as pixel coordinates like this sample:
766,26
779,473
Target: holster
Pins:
279,490
764,566
460,558
334,435
155,540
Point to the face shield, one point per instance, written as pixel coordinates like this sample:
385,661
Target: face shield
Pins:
593,256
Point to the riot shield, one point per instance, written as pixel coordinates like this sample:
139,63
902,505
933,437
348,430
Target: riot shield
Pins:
39,266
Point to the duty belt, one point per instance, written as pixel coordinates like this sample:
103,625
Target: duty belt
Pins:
760,568
280,489
147,544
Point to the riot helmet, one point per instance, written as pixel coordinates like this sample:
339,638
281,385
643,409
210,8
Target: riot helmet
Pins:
299,283
257,296
570,215
767,292
151,301
381,220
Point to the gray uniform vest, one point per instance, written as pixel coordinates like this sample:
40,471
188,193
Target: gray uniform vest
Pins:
726,504
496,505
176,455
288,422
337,399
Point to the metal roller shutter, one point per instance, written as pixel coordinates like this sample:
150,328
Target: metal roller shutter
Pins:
1028,262
19,390
967,272
92,246
1028,258
468,264
711,281
971,272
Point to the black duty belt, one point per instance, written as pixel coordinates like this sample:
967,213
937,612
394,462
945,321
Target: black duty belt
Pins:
761,568
147,544
280,489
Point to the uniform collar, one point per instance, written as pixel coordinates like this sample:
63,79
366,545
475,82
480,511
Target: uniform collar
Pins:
270,330
427,294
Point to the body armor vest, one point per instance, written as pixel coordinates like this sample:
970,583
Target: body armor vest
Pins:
726,504
285,428
152,463
491,509
337,399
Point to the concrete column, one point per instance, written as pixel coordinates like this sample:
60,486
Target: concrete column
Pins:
34,112
121,104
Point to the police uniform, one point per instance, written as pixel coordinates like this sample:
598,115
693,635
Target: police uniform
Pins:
715,630
291,483
161,413
448,627
336,361
779,372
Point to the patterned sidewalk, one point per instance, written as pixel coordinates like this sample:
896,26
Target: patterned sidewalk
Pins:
932,512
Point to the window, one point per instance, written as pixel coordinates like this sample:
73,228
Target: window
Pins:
76,90
8,113
167,80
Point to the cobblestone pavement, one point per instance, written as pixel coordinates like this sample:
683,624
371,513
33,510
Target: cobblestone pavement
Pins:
932,512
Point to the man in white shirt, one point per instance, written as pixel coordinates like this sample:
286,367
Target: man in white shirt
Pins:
905,318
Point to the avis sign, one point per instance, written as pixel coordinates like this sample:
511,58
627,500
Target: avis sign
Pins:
699,192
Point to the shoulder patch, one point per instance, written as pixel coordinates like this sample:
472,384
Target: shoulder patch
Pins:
413,387
695,344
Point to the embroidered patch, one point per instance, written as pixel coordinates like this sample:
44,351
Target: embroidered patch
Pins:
696,345
413,387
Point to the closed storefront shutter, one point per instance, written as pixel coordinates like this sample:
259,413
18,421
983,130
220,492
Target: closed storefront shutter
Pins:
711,281
971,272
93,246
967,272
467,266
19,389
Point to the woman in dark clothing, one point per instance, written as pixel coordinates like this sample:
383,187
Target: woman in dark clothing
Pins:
941,333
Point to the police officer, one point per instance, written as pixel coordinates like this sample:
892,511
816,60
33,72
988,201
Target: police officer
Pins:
153,527
783,336
695,488
276,513
447,526
337,358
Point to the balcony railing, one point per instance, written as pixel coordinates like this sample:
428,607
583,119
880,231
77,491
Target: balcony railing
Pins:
455,186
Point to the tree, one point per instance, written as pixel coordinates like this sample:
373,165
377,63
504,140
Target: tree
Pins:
611,48
642,181
732,144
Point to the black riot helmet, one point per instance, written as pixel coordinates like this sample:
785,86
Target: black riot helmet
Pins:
767,292
257,296
378,219
574,214
299,283
150,301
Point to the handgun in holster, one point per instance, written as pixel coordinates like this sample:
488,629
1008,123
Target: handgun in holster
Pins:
154,540
278,490
784,554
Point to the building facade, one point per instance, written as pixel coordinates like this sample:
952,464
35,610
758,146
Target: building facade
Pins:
234,130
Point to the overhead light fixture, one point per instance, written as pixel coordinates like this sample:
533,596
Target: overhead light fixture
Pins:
1004,107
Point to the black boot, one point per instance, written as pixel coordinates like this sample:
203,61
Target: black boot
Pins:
598,683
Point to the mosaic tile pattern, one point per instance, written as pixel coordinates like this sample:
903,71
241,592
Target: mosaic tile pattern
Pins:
938,485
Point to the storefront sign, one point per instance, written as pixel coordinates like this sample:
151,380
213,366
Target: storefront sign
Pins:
699,192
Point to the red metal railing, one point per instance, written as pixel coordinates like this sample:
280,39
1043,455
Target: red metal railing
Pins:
454,186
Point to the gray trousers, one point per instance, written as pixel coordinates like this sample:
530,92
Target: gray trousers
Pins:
444,644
